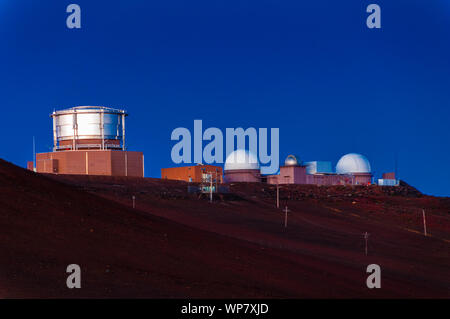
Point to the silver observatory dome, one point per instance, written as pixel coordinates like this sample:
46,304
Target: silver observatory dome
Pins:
241,160
353,163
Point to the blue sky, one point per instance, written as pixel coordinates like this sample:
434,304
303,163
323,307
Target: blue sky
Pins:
311,68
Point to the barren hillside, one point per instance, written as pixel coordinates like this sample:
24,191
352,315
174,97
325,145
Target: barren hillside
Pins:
175,244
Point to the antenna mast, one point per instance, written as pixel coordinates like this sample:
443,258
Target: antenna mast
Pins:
396,164
34,154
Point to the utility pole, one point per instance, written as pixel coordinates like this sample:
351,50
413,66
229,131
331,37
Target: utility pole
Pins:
285,216
134,201
278,196
34,154
396,165
366,238
424,223
216,189
210,188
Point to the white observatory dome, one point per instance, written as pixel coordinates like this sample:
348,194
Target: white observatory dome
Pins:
353,163
240,160
292,160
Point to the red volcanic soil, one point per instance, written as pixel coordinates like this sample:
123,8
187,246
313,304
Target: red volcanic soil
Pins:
178,245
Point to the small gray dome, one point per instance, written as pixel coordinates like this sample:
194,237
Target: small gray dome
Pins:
292,160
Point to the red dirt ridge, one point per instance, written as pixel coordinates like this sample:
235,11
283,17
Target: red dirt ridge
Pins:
176,245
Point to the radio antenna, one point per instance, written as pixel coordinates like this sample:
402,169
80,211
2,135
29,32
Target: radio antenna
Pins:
396,164
34,154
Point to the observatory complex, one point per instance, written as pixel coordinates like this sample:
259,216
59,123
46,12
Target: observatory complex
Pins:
90,140
243,166
351,169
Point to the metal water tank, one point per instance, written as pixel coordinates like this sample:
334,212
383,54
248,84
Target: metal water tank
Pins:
89,127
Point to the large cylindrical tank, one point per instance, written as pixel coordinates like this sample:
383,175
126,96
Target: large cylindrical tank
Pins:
89,127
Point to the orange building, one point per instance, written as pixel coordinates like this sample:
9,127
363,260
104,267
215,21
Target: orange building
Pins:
196,174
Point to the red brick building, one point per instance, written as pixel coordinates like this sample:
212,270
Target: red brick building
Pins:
92,162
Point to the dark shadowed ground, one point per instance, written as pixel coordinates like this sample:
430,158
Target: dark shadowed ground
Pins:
177,245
